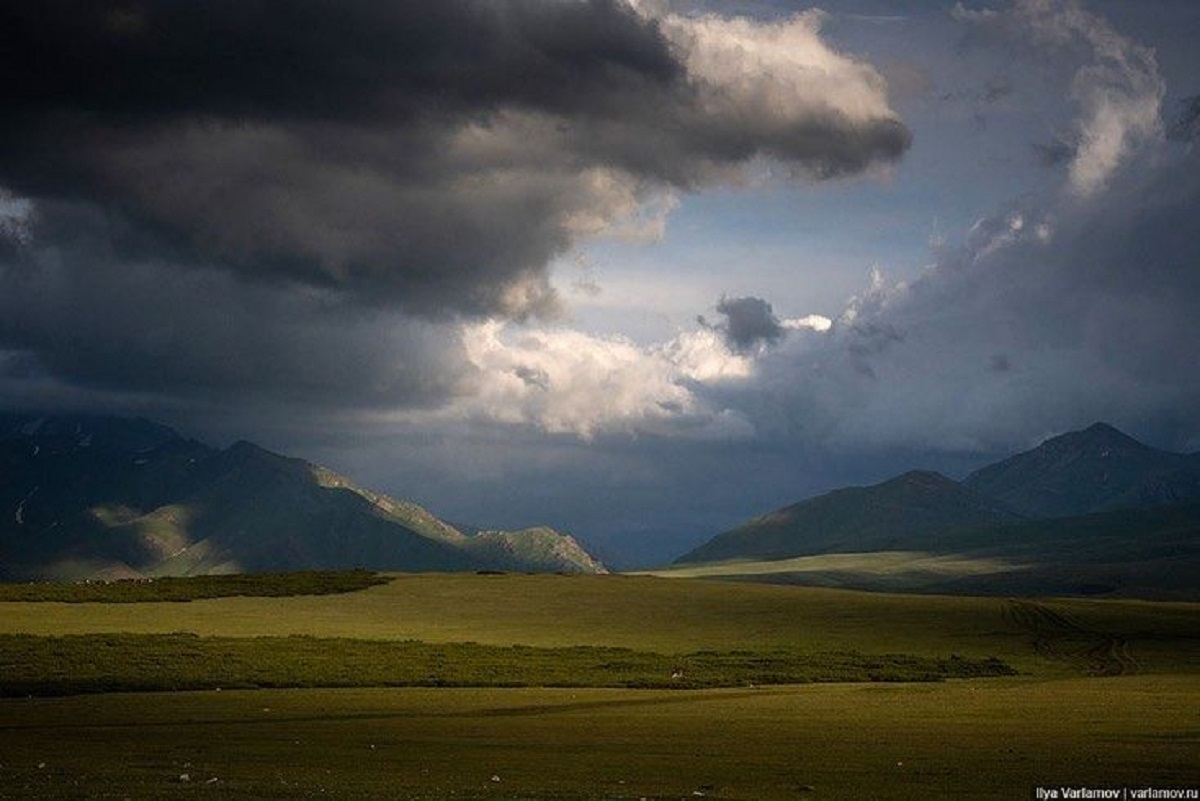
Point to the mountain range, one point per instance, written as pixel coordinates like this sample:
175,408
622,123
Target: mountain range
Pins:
106,497
1090,511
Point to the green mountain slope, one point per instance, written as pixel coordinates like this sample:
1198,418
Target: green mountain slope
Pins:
552,550
911,512
103,497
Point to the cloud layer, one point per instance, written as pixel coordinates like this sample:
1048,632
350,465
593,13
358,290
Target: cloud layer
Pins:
304,200
1115,84
1054,311
429,155
1051,314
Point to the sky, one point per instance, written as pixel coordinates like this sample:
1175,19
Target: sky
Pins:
636,269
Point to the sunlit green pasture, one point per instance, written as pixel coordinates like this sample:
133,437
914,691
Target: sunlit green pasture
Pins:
647,614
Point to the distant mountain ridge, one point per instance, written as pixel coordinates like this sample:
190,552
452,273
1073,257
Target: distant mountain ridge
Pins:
1094,503
908,511
1097,469
92,496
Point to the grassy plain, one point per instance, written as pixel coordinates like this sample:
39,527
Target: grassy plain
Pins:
1026,563
897,571
995,739
651,614
97,663
1109,696
193,588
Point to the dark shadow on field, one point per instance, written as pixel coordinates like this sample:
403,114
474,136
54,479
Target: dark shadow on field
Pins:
662,698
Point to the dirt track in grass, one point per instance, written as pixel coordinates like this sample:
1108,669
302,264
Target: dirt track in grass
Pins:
1058,636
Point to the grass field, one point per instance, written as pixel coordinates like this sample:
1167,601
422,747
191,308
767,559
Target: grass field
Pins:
995,739
97,663
194,588
657,615
1083,565
1109,695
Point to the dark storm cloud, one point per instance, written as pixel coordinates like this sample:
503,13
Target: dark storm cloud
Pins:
432,155
370,60
310,139
109,325
302,200
749,322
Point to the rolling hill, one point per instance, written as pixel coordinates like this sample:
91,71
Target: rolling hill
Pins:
111,497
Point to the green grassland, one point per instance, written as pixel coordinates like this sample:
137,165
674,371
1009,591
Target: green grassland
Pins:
657,615
194,588
90,663
1023,565
1107,694
994,739
887,571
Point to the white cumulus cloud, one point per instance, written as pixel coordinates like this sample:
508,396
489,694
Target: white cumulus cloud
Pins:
567,382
